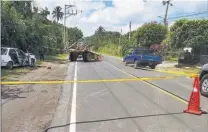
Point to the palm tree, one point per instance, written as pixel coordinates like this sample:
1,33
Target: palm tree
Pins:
100,30
45,12
57,14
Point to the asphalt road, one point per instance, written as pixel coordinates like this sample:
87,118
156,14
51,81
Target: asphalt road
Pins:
134,106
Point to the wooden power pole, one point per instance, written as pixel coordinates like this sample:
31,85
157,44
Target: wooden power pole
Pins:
166,11
129,31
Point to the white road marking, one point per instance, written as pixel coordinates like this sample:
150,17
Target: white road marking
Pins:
72,127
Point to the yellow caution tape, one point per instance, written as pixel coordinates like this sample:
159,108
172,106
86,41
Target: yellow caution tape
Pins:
84,81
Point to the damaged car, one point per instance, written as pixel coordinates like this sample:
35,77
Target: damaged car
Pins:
14,57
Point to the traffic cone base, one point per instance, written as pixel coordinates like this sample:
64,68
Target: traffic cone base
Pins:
193,112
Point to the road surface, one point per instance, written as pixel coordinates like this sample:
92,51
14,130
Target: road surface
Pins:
133,106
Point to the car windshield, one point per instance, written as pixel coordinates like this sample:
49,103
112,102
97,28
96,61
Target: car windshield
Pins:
4,51
143,51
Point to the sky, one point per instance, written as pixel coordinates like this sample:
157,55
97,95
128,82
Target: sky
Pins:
115,15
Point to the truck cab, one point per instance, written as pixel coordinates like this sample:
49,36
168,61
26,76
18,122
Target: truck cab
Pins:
142,57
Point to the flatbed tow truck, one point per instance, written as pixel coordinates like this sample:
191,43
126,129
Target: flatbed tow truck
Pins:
77,49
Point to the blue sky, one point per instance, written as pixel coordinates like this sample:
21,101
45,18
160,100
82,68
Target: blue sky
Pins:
115,15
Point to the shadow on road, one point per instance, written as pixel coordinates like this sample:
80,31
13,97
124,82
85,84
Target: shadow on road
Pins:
112,119
142,68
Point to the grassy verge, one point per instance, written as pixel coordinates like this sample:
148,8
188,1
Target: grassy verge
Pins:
15,72
110,54
59,57
192,70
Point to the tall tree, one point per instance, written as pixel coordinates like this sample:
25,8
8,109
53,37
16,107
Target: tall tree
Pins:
45,12
151,33
57,13
23,7
100,30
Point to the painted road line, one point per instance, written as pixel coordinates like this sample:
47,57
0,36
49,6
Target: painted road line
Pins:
153,86
86,81
72,127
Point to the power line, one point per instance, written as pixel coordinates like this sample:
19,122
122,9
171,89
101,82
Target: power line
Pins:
187,13
171,18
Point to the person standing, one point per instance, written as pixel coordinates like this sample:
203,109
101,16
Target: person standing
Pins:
41,54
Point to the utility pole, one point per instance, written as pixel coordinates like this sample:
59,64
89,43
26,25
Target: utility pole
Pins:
68,13
130,31
120,38
166,12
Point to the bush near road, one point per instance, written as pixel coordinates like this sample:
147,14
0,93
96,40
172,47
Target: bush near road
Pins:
193,33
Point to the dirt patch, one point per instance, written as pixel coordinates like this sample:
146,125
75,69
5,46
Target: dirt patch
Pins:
30,108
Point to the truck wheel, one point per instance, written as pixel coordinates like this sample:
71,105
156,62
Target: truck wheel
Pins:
135,64
84,56
125,63
204,85
152,66
10,65
88,56
73,56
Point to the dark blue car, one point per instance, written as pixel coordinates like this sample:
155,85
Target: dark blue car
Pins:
142,57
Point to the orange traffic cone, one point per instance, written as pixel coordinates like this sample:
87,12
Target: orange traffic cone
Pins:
194,102
99,58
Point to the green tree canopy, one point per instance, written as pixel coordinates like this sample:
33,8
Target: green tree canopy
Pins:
150,33
31,30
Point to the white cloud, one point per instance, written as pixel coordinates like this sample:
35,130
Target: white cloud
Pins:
123,11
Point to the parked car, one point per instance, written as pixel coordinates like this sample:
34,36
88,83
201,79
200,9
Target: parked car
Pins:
204,80
13,57
80,56
142,57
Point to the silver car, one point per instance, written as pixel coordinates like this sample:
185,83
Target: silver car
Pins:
204,80
14,57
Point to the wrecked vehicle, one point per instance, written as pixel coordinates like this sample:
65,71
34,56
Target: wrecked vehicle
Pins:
14,57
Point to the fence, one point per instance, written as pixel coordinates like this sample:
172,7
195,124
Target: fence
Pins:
191,59
169,56
203,59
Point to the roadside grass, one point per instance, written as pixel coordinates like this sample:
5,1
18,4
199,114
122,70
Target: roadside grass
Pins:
60,58
188,70
15,72
57,57
172,59
110,54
